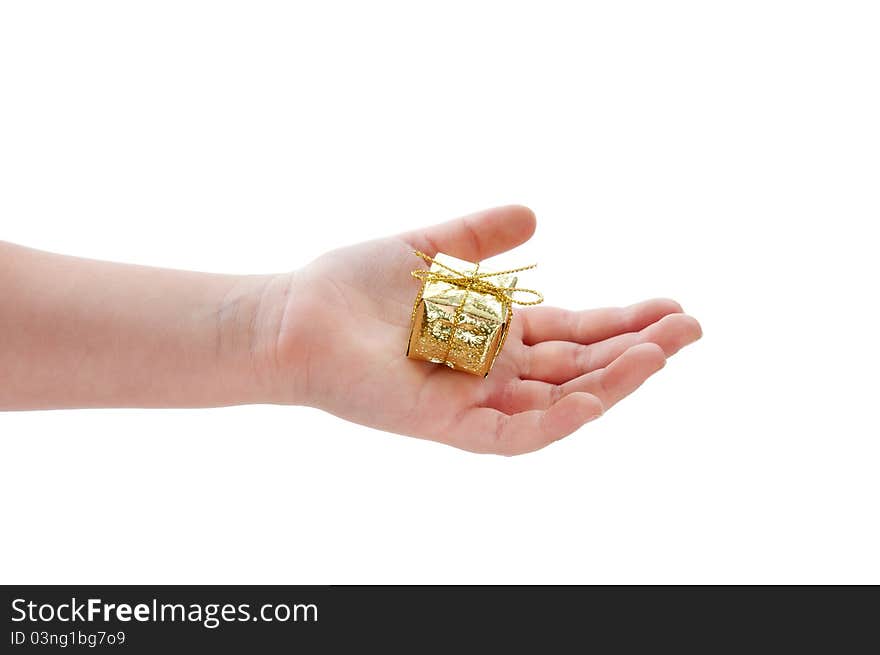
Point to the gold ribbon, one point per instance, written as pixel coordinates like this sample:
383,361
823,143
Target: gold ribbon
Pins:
477,282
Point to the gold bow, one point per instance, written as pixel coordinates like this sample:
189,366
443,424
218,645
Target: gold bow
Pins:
477,282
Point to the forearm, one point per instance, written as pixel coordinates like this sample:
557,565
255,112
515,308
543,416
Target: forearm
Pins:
83,333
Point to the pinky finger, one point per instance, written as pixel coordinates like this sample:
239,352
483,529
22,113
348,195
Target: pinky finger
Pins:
488,430
622,376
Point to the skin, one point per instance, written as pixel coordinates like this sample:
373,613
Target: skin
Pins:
332,335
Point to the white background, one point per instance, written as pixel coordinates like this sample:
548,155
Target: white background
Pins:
724,154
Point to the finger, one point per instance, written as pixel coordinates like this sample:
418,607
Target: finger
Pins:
553,323
672,333
488,430
622,376
477,236
560,361
610,384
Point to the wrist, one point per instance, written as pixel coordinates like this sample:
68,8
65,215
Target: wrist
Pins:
252,321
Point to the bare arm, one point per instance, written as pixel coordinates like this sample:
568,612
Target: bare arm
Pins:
83,333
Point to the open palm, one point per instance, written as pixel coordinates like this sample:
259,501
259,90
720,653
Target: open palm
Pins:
346,327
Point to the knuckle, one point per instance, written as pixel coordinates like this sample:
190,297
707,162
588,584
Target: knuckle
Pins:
583,359
556,392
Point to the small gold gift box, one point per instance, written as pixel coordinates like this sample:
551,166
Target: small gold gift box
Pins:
462,313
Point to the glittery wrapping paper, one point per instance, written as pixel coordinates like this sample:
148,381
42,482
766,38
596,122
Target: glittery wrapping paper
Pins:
459,327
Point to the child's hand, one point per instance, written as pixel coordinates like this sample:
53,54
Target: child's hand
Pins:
338,336
83,333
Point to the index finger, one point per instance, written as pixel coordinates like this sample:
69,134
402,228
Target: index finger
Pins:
591,325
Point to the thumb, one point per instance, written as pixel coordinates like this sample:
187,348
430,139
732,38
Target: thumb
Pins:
477,236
